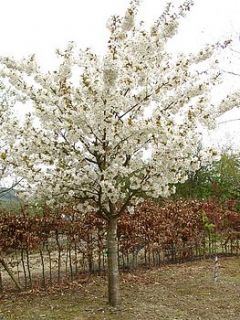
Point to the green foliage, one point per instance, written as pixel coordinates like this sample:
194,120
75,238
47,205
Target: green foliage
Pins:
210,229
221,181
198,186
226,177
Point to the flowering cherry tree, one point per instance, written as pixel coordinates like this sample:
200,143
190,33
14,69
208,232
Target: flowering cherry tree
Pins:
3,113
8,123
107,130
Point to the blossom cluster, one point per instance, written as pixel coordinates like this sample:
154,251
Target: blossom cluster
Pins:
123,128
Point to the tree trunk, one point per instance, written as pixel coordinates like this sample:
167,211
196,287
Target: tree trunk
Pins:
59,257
50,263
113,272
1,282
29,268
10,273
43,268
24,268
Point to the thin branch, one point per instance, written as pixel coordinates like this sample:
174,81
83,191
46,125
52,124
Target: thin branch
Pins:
10,188
232,73
156,90
226,121
236,51
134,106
90,160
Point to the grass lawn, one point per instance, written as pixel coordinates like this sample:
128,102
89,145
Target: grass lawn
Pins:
184,291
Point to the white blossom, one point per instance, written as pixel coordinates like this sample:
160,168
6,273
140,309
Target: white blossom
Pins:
86,139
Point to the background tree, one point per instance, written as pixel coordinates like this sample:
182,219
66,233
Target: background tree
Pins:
226,177
197,186
106,130
219,181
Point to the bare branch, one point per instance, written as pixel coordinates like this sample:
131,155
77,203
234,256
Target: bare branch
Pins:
6,190
231,72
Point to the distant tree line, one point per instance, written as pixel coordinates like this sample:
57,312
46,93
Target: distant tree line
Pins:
220,181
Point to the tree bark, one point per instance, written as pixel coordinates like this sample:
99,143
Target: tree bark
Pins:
113,271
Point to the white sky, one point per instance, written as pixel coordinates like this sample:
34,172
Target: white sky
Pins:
41,26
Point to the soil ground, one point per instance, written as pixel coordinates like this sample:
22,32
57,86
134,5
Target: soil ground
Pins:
176,292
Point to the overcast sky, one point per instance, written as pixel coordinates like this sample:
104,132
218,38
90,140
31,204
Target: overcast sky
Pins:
41,26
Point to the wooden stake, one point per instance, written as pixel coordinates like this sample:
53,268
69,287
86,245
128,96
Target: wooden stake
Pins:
216,270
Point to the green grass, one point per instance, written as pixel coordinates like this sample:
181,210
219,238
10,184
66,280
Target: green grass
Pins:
176,292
